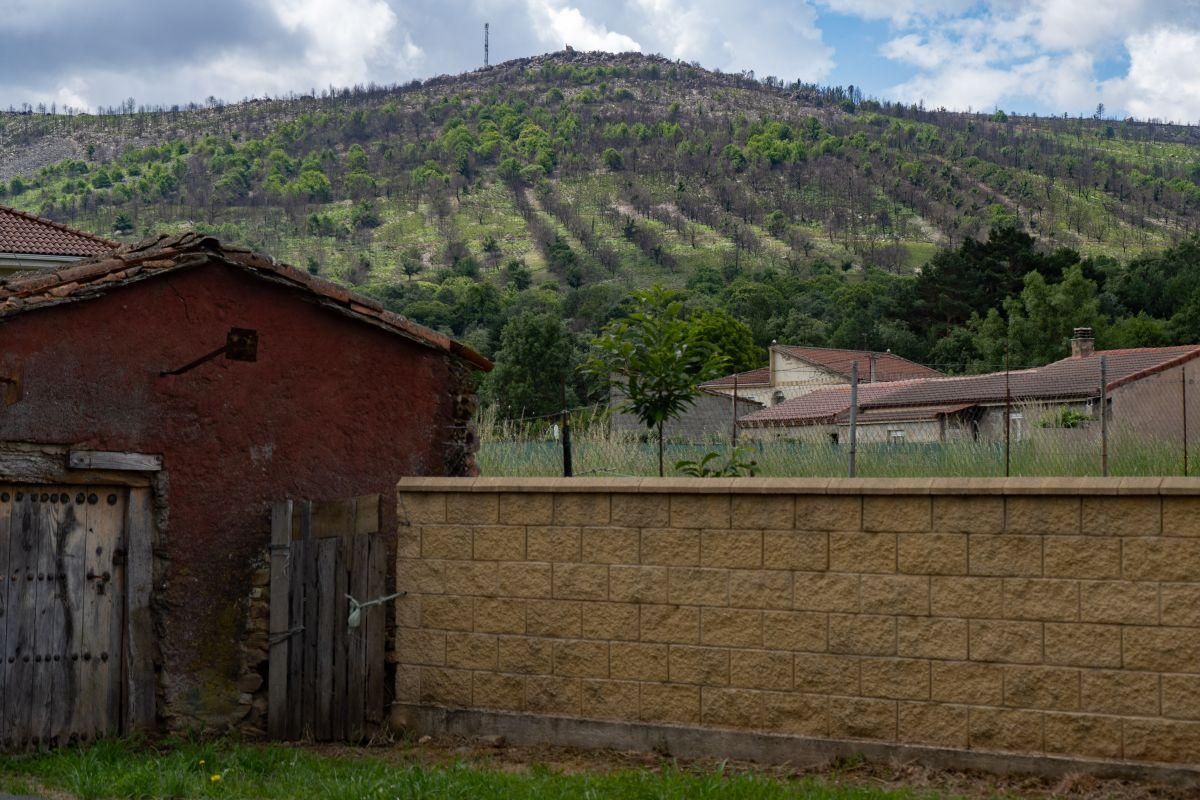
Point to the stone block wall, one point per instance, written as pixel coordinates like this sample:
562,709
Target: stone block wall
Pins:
1036,617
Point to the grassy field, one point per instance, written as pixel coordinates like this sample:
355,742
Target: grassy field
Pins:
531,451
227,770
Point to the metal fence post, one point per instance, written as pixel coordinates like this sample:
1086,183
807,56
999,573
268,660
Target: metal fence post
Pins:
1103,416
568,468
853,416
1007,418
733,430
1183,401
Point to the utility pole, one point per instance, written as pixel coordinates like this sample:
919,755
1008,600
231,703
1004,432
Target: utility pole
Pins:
485,43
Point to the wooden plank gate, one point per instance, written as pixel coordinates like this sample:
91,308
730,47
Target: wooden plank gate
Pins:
63,611
326,668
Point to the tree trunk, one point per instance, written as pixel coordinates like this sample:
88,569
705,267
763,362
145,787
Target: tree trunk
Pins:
660,450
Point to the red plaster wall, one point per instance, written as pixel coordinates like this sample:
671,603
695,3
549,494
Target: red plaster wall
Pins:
332,408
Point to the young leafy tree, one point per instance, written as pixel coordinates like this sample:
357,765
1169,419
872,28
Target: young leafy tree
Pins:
655,358
719,332
537,353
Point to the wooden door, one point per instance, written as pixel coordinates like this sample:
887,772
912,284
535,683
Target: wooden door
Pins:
326,667
62,591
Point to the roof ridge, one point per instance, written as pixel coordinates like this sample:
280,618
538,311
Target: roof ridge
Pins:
1188,347
60,226
850,350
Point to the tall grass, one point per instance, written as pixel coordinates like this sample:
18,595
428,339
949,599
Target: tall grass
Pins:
529,449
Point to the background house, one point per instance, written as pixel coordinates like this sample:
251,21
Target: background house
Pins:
28,242
192,385
1145,389
793,371
790,372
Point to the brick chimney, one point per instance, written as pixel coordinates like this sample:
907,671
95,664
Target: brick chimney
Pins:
1083,343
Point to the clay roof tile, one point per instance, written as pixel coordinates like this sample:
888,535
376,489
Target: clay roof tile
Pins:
22,233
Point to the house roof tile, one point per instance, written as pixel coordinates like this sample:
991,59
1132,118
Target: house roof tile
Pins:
26,234
164,255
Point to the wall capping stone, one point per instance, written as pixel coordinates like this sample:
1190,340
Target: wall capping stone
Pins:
813,486
769,748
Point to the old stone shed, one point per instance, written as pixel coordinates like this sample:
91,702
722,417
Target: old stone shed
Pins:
310,392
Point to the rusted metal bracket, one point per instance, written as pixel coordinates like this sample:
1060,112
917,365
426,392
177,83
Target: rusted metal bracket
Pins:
241,344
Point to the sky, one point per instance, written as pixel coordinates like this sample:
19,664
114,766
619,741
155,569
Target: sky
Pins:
1137,57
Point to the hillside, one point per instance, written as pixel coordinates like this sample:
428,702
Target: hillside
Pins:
593,174
705,162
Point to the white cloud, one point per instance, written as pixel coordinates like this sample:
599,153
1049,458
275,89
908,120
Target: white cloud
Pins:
1074,24
1047,51
1164,76
686,31
237,48
345,39
901,12
558,25
780,39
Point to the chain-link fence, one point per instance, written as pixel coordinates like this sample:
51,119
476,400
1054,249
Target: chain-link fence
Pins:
1106,415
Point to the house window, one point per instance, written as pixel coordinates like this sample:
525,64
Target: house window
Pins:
777,398
833,438
895,435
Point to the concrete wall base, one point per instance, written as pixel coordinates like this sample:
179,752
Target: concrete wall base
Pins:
688,742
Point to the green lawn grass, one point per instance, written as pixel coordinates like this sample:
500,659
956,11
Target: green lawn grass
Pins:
223,769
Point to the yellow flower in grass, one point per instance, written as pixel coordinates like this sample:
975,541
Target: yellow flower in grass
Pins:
216,778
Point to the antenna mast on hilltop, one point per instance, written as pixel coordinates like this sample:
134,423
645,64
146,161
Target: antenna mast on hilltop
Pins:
485,44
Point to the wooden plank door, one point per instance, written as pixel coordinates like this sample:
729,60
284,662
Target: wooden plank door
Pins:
326,677
50,623
6,580
62,603
23,554
99,703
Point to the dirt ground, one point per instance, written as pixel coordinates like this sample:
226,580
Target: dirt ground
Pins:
893,775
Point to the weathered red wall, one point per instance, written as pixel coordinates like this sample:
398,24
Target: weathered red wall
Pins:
332,408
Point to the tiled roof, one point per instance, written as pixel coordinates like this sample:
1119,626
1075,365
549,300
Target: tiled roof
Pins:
25,234
888,366
1070,378
818,407
921,413
1065,379
754,377
164,255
